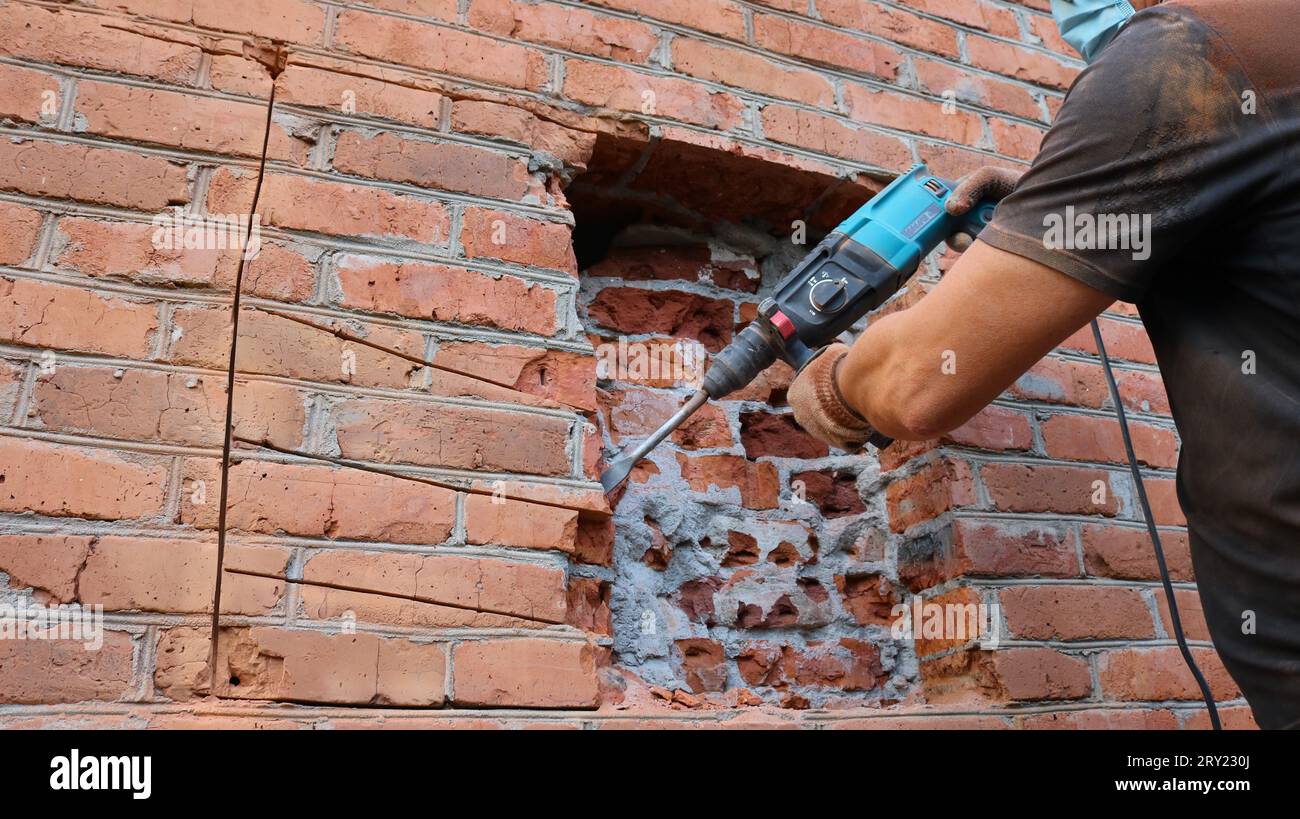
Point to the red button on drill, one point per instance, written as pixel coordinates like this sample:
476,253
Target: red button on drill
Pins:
782,324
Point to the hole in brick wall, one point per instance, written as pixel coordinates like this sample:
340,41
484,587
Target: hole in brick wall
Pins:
697,188
713,547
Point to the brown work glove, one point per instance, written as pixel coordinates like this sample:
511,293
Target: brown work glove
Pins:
988,182
819,407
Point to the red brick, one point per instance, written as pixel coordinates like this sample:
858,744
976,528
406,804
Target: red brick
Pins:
151,405
69,481
995,428
1155,674
1233,718
721,17
835,493
1089,438
318,501
59,35
953,163
703,663
436,9
275,346
756,482
824,46
1021,63
47,564
956,84
442,166
26,95
691,262
1109,719
503,522
1015,550
1040,5
829,135
525,673
1162,494
231,190
1062,489
517,125
891,23
127,250
565,27
1127,554
658,361
1125,341
589,606
1061,612
281,272
557,374
11,385
920,722
933,490
186,121
312,87
155,574
677,313
744,69
494,234
439,49
1142,391
343,209
508,586
1009,674
294,21
1045,29
708,428
443,293
19,227
961,623
978,14
1062,381
1190,614
102,176
904,112
765,433
849,665
870,598
237,74
792,6
1015,139
636,413
432,434
52,671
608,86
266,663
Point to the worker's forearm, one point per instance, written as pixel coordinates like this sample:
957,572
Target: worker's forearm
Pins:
892,375
927,370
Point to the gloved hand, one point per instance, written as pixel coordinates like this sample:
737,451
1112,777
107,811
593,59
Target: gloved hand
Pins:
820,408
988,182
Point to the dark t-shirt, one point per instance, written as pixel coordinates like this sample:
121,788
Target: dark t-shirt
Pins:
1191,117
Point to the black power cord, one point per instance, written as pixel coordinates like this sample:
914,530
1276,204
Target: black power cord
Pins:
1151,528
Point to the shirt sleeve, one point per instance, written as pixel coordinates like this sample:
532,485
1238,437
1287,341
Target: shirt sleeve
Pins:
1152,148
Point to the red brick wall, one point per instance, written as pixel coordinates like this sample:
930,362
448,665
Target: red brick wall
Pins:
416,165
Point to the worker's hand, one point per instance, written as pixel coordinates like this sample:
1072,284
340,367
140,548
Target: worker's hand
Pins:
819,407
988,182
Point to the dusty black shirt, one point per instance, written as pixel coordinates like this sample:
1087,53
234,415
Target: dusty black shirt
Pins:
1188,125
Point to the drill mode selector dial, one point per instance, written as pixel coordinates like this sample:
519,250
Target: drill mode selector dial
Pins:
828,295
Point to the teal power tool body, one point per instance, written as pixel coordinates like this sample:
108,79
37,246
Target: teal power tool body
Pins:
854,270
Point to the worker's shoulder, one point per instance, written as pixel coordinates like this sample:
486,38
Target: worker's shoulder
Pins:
1257,36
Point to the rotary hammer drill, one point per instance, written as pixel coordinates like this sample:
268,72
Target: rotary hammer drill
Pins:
854,270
